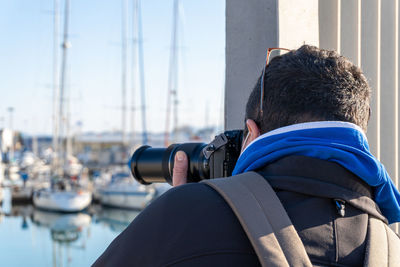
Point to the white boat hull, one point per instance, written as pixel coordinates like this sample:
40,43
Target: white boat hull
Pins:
125,199
64,201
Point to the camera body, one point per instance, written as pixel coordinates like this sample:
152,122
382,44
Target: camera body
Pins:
223,152
206,161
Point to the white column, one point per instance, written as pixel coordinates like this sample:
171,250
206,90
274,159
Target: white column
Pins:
329,24
370,64
251,27
350,31
389,87
297,24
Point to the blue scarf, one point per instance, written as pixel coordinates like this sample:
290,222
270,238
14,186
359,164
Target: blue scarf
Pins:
340,142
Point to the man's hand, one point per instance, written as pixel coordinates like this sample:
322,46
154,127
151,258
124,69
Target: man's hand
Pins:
180,169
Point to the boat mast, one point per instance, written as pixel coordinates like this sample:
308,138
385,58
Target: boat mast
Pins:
134,69
63,120
173,77
123,68
138,68
141,74
56,90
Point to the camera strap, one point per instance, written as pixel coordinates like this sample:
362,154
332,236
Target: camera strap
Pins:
263,218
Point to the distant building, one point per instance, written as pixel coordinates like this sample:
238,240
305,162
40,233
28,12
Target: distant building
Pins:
97,150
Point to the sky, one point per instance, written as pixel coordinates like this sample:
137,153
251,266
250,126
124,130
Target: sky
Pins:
94,64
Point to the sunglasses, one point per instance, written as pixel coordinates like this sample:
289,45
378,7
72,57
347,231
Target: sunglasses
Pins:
271,53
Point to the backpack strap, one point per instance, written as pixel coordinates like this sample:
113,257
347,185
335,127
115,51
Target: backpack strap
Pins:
383,245
263,218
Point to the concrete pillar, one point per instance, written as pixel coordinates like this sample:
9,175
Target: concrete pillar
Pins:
389,87
350,30
370,64
329,24
367,33
251,27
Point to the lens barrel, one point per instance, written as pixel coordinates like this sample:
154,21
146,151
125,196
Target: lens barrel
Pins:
155,165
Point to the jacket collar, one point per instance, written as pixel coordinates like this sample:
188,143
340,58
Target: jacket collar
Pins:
321,178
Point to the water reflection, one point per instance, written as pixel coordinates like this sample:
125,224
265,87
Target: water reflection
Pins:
59,221
24,212
59,239
64,228
116,219
65,232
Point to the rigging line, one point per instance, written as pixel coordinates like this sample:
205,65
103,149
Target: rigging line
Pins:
142,77
172,76
176,66
123,68
56,88
134,69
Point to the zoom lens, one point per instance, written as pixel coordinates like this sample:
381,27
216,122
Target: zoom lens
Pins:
155,165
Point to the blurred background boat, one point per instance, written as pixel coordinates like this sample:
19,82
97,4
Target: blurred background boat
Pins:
23,193
67,191
62,200
124,192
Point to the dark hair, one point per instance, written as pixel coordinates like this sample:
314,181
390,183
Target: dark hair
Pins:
310,84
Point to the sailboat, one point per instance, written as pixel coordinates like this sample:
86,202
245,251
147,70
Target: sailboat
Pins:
34,175
65,193
122,190
62,199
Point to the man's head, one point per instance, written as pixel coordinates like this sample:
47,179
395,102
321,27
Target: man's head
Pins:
310,84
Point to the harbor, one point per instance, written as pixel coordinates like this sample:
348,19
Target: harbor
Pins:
95,82
42,238
69,221
192,133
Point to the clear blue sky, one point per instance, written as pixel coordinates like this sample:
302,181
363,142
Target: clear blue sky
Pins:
26,29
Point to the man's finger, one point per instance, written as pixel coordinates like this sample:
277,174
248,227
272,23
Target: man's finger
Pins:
180,169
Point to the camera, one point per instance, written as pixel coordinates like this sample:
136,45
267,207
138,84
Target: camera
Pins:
206,161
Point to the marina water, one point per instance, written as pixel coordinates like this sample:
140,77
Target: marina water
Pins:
33,237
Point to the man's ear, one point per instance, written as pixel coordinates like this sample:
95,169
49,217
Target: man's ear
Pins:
253,133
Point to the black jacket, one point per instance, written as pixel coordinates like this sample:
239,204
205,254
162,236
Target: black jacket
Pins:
191,225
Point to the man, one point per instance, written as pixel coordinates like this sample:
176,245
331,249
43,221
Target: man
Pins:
305,124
